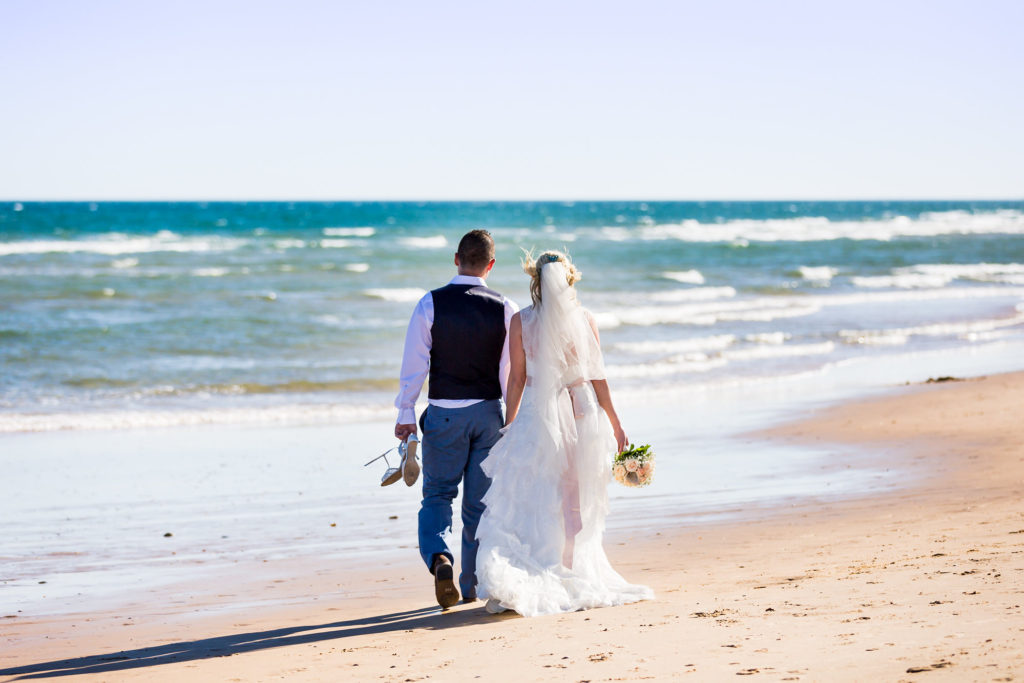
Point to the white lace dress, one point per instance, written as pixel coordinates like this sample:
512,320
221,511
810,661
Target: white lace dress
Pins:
540,534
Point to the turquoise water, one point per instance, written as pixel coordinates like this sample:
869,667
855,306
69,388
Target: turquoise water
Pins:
134,314
716,319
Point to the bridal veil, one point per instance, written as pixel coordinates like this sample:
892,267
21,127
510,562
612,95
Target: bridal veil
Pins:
540,534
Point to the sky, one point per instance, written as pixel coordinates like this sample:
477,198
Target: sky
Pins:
343,100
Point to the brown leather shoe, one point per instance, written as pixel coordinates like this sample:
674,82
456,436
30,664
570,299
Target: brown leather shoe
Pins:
444,582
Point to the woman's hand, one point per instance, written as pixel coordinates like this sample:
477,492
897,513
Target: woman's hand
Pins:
620,438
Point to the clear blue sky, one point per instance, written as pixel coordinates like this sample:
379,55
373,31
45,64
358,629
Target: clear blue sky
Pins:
438,100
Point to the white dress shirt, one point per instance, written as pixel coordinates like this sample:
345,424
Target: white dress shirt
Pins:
416,356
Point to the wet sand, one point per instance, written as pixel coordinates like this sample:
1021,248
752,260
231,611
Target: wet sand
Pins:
922,583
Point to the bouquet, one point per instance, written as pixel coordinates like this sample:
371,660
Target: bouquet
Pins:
634,466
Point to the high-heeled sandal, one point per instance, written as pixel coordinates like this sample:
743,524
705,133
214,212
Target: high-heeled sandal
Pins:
410,463
392,474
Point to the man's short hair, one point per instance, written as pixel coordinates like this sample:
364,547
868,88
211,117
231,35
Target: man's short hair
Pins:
476,249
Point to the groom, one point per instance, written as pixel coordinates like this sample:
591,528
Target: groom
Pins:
457,336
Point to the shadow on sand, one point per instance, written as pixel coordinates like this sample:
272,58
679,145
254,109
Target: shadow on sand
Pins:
225,646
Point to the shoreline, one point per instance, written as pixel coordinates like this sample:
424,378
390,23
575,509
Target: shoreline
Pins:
924,578
152,511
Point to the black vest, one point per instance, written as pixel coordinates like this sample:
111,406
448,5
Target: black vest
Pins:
466,341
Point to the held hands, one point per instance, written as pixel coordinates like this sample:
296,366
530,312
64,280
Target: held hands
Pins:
402,432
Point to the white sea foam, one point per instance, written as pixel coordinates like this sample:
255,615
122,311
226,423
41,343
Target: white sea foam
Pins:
289,244
879,338
950,293
768,337
115,244
941,274
362,323
617,234
990,335
350,232
962,330
768,314
125,263
1003,222
396,294
969,270
709,313
357,267
818,273
435,242
687,363
1007,279
712,343
210,272
779,351
328,319
689,277
270,415
902,281
606,320
694,294
338,243
763,309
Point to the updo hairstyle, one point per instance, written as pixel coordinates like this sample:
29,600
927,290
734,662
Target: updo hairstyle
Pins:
532,267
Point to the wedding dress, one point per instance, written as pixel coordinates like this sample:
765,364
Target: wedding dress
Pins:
540,534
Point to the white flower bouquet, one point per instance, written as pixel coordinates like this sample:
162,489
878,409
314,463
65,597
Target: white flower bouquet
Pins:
634,466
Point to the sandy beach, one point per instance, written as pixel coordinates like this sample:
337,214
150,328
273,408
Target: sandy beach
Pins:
231,242
922,583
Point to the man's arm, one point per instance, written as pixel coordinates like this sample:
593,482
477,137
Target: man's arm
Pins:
415,365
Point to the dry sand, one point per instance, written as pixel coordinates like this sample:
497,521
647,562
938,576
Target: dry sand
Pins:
920,584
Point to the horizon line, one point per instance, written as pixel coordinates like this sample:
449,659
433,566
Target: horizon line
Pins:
500,200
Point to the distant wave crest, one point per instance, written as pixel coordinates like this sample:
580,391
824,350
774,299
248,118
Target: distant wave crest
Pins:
821,229
116,244
400,294
434,242
935,275
350,232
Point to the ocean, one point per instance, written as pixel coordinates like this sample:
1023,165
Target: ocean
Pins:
119,315
190,390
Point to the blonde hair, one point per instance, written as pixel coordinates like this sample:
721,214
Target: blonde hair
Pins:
532,266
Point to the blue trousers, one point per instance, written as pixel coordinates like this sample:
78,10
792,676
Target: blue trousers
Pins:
455,442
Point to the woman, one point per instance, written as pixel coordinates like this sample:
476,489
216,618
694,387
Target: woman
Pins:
540,534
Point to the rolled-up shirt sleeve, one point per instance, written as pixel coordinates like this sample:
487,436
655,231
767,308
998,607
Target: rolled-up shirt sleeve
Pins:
415,359
505,365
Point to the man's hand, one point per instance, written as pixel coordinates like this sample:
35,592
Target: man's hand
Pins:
402,432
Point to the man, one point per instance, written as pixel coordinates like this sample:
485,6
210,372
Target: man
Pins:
458,335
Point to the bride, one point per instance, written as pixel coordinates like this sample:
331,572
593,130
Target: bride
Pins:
540,534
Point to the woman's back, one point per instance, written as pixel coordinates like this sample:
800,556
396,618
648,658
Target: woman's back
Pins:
557,346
